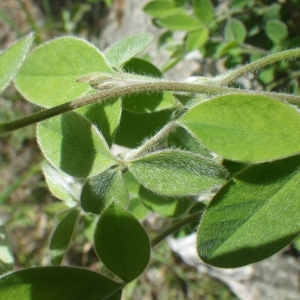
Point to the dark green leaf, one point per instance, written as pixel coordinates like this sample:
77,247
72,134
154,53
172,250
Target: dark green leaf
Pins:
176,173
146,102
100,191
135,127
168,207
244,128
253,216
49,283
122,243
62,236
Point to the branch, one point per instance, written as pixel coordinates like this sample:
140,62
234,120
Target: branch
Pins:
131,89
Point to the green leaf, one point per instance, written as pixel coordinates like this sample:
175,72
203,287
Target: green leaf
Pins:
244,128
132,185
276,30
6,255
120,52
160,9
59,184
146,102
12,58
139,210
58,283
62,236
181,23
180,138
176,173
136,127
253,216
122,243
100,191
204,10
49,74
105,115
235,30
196,39
168,207
72,144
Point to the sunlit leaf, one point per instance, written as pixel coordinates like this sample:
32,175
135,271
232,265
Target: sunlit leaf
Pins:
176,173
48,75
160,9
72,144
250,128
235,30
253,216
181,23
122,243
120,52
6,255
204,10
12,58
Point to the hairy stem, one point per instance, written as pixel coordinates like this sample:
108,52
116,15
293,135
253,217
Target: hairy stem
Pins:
175,227
257,65
131,89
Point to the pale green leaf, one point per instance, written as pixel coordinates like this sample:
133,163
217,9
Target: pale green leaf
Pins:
50,283
72,144
204,10
181,23
62,236
61,185
235,30
48,75
253,216
122,243
12,58
100,191
176,172
6,255
196,39
120,52
160,9
276,30
250,128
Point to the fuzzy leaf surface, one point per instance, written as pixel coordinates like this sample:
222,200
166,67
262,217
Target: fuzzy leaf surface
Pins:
253,216
48,75
243,128
122,243
62,236
176,173
105,115
100,191
120,52
72,144
49,283
12,58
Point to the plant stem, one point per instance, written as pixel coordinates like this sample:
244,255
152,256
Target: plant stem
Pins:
131,89
228,78
175,227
